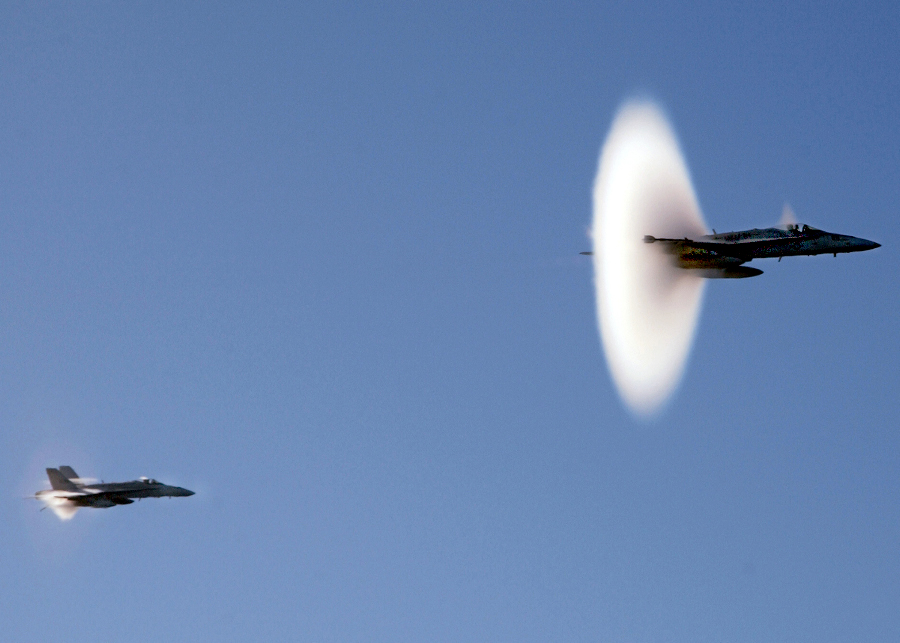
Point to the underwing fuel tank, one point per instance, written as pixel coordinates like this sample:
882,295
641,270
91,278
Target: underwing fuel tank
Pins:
735,272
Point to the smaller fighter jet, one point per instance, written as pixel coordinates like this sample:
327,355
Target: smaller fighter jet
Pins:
70,492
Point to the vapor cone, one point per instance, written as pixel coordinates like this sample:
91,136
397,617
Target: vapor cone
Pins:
646,306
64,509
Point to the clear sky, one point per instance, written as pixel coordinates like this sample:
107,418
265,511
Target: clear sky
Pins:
318,262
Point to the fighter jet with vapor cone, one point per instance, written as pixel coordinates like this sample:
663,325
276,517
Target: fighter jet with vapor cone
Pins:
653,254
70,492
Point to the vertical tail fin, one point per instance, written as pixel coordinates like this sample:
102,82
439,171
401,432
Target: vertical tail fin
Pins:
68,472
60,482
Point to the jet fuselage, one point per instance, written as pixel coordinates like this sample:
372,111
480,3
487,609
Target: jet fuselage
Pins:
121,493
721,255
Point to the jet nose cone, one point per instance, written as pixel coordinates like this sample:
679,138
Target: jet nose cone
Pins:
185,492
858,244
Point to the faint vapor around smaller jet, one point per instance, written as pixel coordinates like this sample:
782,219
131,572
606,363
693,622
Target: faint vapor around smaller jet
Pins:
70,492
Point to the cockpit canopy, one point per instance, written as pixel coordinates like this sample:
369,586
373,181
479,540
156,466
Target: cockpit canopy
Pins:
794,228
149,480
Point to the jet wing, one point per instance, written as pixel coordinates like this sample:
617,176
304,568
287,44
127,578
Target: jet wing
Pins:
96,498
739,249
113,498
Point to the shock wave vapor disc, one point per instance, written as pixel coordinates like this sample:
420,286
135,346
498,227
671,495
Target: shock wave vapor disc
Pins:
647,307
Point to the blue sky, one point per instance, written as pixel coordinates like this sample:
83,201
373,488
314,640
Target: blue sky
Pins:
319,264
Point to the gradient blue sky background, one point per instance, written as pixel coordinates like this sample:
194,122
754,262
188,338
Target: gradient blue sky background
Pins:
318,262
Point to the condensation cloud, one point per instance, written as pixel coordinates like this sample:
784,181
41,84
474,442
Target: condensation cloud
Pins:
647,308
63,508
